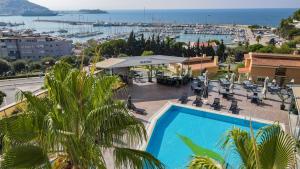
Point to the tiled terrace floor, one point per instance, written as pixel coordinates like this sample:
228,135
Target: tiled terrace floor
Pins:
152,97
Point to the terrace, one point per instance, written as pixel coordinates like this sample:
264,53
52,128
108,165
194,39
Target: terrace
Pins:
152,97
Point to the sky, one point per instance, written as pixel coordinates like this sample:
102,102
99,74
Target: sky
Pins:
165,4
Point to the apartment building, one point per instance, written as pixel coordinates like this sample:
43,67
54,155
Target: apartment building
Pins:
33,46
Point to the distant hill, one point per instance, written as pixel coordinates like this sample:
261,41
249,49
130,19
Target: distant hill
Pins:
84,11
23,7
92,11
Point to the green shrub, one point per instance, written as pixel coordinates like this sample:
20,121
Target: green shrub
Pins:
19,65
255,47
4,66
147,53
267,49
284,49
2,95
49,61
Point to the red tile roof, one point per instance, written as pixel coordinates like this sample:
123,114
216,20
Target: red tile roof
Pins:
205,44
194,60
275,60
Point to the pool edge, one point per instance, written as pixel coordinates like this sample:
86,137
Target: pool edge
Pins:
153,120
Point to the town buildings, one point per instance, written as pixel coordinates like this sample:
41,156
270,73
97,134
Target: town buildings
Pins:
18,45
198,64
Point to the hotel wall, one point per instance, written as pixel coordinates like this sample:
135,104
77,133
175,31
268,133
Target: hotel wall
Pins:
262,72
211,72
291,73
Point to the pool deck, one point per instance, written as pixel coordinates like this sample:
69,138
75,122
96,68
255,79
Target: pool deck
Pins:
152,97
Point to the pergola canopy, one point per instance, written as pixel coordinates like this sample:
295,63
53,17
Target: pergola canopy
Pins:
138,61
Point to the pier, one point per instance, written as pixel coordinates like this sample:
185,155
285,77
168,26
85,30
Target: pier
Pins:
65,22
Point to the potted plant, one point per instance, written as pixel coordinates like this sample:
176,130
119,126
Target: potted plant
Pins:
283,99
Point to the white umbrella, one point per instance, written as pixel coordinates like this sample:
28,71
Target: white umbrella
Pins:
274,81
232,81
205,74
232,77
264,90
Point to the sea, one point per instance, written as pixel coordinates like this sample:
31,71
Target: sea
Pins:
265,17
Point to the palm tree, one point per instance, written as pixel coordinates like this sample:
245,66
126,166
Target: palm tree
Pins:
258,38
270,148
77,126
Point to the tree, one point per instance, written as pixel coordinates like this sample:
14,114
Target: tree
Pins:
2,95
272,42
4,66
221,50
267,49
35,66
210,51
71,60
132,44
258,38
255,47
147,53
270,148
114,48
75,123
48,61
216,41
152,43
284,49
296,15
19,65
197,48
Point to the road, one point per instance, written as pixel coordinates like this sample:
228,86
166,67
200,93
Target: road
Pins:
12,86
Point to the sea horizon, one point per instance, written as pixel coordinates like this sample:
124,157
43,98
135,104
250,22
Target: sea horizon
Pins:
142,9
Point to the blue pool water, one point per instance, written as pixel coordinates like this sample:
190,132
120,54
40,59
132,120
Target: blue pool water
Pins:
201,127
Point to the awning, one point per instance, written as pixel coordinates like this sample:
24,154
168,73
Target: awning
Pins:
138,61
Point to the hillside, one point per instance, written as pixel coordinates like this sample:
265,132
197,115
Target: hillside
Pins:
23,7
92,11
288,28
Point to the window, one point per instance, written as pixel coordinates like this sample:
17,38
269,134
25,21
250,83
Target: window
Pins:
261,79
280,71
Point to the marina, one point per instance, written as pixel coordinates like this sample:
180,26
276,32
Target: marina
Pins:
182,25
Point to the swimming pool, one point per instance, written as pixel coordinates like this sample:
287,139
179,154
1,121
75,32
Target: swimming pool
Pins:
201,127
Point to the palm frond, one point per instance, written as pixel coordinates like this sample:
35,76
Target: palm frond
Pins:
276,148
78,119
25,156
135,159
199,162
201,151
239,142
